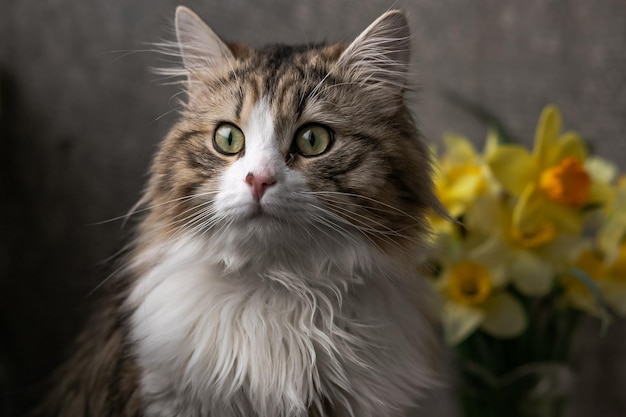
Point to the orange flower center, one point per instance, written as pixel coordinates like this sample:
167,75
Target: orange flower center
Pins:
567,183
470,283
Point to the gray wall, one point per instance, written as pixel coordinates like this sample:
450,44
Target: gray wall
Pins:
81,116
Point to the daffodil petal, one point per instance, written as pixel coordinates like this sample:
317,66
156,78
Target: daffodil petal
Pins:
504,316
464,189
533,208
620,196
527,212
460,321
610,236
530,274
459,150
600,169
455,208
547,134
483,215
601,193
570,144
513,167
567,219
563,250
492,252
492,142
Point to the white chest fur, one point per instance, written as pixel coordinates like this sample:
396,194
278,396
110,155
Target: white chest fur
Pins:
214,343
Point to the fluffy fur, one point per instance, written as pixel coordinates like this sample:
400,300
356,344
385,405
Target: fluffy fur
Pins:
304,302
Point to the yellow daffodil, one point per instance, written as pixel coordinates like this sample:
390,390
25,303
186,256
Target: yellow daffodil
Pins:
604,263
552,183
473,288
609,277
613,231
459,175
523,214
532,261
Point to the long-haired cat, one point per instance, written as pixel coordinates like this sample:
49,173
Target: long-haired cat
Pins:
274,273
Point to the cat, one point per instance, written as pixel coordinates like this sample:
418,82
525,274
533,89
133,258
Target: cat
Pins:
274,272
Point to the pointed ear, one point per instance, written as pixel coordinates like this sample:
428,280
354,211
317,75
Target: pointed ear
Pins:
380,54
200,48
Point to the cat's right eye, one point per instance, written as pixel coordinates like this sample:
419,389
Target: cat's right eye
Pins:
313,139
228,139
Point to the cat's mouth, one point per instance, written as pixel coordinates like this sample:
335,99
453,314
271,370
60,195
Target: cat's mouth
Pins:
258,212
263,214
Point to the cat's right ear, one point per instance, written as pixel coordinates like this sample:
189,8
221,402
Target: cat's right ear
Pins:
380,55
200,48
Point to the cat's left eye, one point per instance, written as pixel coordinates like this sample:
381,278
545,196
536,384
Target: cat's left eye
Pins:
228,139
313,140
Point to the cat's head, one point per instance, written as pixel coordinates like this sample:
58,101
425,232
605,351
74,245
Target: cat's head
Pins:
289,150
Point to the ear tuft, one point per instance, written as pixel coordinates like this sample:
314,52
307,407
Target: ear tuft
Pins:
380,55
200,48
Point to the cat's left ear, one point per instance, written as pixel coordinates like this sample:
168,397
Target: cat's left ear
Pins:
200,48
380,55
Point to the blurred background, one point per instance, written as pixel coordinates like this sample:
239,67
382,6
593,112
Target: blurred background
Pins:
81,115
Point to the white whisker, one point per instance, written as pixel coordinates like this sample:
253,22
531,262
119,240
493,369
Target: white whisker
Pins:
339,193
135,210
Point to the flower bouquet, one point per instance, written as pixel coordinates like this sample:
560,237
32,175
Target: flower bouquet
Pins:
535,242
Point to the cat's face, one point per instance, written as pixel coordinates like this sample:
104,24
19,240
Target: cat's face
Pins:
286,147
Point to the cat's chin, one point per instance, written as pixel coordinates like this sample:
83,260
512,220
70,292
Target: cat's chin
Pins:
266,236
260,215
256,221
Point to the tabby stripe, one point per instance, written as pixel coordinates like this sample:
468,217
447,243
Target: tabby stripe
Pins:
287,85
302,95
369,140
239,102
184,136
191,188
405,192
342,167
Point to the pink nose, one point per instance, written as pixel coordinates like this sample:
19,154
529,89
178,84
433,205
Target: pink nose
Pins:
259,184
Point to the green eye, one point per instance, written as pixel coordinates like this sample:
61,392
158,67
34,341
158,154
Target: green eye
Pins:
312,140
228,139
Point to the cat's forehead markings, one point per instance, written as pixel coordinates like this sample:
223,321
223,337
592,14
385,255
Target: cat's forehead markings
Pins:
312,109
